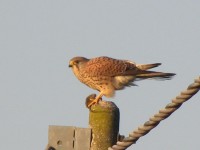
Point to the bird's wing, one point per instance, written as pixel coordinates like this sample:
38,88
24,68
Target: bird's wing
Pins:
106,66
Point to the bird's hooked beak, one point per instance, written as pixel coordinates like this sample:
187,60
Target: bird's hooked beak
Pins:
70,64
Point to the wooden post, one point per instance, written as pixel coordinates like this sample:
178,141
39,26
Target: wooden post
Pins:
104,122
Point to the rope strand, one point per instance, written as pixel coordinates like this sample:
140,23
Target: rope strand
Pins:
158,117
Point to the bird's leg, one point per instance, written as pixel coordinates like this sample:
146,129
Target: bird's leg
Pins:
96,100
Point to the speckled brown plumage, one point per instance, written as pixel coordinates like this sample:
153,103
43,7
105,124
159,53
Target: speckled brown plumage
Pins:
107,75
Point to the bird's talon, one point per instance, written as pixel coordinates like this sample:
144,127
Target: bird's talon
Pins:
92,103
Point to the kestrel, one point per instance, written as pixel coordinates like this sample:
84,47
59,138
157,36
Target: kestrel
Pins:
107,74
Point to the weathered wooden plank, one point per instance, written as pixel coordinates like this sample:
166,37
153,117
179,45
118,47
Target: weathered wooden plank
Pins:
61,137
68,138
82,138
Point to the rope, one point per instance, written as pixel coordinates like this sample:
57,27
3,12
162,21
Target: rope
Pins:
158,117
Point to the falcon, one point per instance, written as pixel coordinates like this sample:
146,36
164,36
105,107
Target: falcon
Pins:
107,75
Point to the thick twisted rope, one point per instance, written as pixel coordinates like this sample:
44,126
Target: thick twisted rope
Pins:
158,117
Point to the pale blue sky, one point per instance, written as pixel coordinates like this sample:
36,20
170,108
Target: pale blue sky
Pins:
38,38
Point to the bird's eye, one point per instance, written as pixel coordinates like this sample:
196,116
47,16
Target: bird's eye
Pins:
76,62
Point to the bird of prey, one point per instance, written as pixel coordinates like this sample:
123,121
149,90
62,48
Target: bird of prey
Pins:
107,74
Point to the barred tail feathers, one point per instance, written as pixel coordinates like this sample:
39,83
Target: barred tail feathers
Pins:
147,66
153,74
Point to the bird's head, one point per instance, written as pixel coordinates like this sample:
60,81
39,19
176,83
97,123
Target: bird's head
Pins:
77,62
